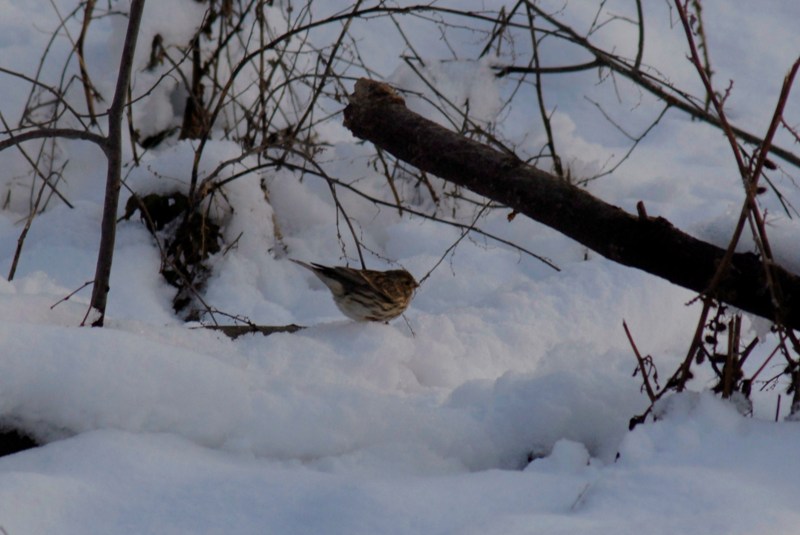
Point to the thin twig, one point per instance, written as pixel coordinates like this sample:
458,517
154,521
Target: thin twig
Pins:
551,145
637,64
72,293
453,245
88,87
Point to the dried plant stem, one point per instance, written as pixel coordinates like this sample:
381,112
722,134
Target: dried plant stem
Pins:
642,367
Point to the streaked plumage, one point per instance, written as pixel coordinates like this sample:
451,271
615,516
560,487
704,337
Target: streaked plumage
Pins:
364,294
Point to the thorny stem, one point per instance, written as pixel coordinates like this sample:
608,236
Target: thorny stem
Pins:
750,212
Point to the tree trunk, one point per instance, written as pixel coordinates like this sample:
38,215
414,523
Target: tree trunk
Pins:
112,146
377,114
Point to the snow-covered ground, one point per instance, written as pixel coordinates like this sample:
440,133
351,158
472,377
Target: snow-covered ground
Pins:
425,425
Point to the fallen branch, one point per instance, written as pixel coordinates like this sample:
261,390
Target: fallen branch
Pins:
235,331
376,113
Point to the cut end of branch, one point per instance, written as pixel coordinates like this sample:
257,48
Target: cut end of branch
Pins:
373,91
370,93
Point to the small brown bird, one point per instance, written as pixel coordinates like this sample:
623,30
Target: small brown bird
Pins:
364,294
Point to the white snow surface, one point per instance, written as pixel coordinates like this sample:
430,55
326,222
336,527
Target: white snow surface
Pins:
426,425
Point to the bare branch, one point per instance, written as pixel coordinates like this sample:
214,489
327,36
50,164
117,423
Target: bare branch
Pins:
65,133
656,87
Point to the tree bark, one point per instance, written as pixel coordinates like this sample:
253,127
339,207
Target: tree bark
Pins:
378,114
